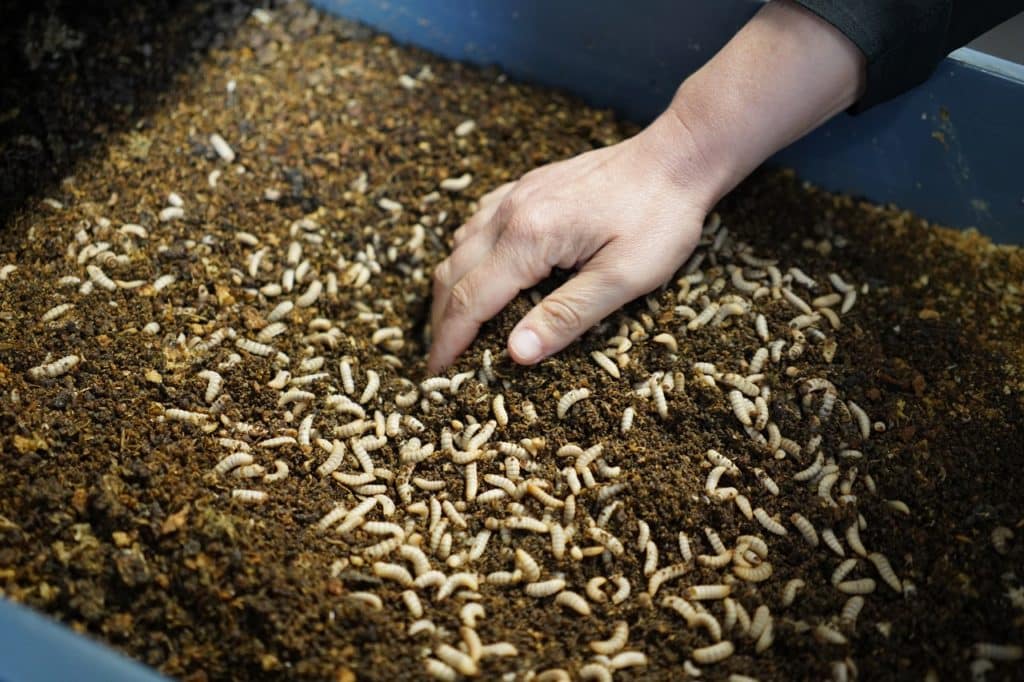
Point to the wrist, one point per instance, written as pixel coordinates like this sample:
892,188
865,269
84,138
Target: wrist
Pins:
686,158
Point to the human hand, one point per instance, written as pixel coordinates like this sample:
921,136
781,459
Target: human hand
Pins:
625,217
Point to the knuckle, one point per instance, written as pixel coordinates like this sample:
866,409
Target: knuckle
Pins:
460,302
560,315
442,273
631,282
522,221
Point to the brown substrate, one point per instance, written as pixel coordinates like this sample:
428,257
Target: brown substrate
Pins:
111,522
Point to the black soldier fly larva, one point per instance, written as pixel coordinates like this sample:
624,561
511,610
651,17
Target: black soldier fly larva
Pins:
605,363
54,369
768,523
456,184
859,586
248,496
805,527
790,590
714,653
222,148
885,571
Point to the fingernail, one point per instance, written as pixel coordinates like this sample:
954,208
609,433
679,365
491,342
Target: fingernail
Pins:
525,345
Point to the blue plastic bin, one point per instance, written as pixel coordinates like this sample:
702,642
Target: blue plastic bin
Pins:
950,150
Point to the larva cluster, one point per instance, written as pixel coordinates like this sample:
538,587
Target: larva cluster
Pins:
445,498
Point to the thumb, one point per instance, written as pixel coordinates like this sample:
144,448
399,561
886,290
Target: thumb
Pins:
595,292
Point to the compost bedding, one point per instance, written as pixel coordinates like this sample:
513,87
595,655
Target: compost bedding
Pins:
112,522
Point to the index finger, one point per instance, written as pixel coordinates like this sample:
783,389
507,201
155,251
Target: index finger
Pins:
477,297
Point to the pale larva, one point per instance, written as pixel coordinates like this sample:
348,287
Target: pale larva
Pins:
663,575
711,485
255,348
827,635
544,497
609,541
500,413
802,279
651,558
885,570
213,385
740,383
573,602
594,672
527,565
860,586
248,496
643,534
162,282
54,369
222,148
743,504
334,460
760,622
415,556
56,311
274,329
622,589
842,570
372,386
594,592
797,302
277,442
279,474
332,517
615,643
768,523
605,363
761,327
704,592
811,471
703,317
628,659
171,213
345,405
194,418
790,590
504,649
627,420
741,407
853,539
232,461
832,542
569,399
1001,536
412,600
684,547
851,609
770,485
863,421
755,574
456,184
849,299
658,393
716,542
545,588
714,653
805,528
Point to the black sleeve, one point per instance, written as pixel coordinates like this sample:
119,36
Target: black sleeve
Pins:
904,40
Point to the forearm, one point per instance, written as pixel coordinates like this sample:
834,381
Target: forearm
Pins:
784,74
